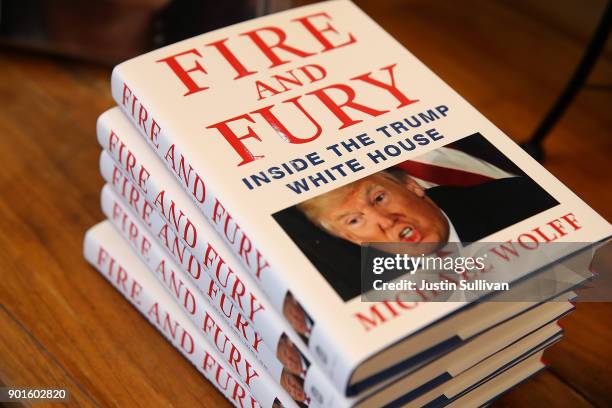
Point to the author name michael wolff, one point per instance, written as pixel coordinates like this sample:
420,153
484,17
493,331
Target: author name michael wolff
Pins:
445,285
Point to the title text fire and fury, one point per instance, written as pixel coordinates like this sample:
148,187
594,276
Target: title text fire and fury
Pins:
343,101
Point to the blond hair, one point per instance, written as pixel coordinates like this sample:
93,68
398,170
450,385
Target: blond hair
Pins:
314,208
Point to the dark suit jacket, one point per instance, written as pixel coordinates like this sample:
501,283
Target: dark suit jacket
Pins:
475,212
479,211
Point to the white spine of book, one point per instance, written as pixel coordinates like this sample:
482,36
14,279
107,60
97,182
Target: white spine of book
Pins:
108,253
200,247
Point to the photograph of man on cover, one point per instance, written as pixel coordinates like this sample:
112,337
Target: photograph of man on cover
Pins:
462,192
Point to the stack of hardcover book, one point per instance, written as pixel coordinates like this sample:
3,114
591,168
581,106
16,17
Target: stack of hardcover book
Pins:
275,192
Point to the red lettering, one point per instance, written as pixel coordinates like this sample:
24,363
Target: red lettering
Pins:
184,74
236,141
268,49
231,58
391,88
337,107
571,220
317,33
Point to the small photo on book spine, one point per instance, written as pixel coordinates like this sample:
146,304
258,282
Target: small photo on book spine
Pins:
297,317
291,357
461,192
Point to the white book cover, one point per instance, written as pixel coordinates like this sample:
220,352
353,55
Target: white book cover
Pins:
294,133
139,177
107,251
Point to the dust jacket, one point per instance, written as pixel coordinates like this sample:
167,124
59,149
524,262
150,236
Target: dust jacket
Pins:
289,132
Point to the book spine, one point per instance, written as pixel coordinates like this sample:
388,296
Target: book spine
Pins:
134,171
216,320
127,276
222,334
233,228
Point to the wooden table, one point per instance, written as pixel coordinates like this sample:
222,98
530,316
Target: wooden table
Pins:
61,324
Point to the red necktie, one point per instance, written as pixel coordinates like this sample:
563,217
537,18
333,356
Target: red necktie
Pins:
444,176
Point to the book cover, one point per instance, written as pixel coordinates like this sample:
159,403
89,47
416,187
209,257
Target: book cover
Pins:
294,134
139,177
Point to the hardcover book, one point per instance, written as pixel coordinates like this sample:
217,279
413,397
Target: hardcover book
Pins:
305,135
138,176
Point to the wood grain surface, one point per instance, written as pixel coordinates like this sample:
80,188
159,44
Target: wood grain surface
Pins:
63,325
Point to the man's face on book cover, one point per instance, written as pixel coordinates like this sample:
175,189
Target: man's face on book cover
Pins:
379,208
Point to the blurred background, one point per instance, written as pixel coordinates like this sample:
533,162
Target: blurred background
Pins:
511,59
